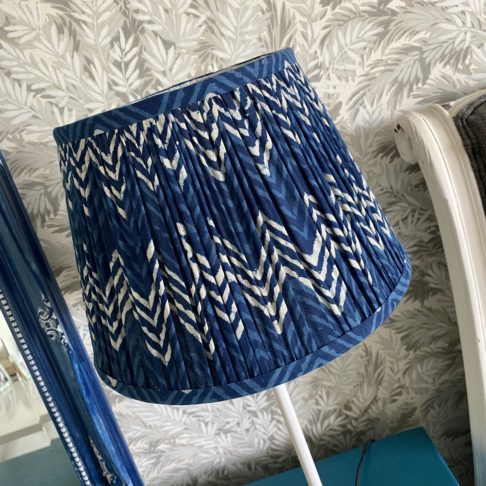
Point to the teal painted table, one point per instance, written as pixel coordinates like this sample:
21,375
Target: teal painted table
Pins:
408,458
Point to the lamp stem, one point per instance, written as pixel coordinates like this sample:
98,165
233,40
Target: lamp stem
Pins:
296,435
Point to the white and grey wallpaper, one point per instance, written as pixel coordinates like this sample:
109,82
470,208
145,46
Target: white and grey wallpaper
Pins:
62,60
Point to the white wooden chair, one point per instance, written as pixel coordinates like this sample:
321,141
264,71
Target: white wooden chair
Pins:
430,137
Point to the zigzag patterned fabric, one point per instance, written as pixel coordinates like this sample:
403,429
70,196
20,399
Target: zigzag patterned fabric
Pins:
225,239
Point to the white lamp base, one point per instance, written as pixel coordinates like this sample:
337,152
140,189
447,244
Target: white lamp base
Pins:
296,435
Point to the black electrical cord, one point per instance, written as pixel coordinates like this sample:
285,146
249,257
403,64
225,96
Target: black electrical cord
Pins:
359,469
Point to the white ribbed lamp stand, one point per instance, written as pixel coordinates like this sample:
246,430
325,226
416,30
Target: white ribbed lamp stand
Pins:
296,435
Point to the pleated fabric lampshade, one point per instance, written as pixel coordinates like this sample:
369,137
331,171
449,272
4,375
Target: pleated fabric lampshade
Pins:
226,241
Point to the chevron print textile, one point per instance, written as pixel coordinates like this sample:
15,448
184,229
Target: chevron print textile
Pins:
225,239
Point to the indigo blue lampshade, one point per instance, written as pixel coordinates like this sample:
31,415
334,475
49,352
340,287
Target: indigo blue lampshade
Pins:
226,241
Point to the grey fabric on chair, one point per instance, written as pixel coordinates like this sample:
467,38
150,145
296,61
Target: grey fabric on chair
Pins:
471,125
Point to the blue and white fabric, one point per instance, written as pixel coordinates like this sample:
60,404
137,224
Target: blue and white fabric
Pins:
226,241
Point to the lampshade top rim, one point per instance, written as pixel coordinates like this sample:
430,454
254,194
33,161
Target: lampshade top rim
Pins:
176,96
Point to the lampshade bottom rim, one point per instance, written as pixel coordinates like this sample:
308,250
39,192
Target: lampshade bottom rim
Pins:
276,377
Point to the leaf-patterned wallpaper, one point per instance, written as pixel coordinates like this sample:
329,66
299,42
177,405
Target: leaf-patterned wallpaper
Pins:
62,60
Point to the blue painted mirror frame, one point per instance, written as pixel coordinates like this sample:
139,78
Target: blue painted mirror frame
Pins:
39,319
